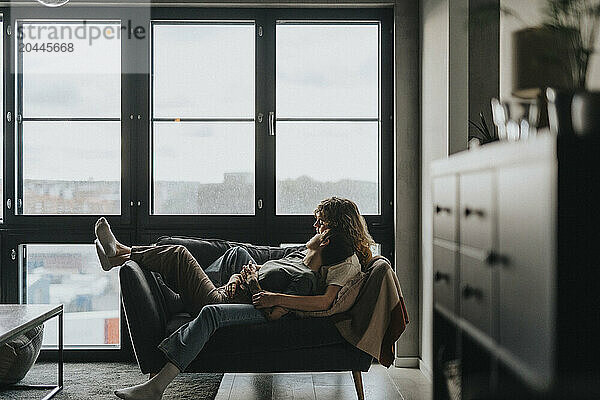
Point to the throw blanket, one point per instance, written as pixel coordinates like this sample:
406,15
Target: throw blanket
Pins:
379,316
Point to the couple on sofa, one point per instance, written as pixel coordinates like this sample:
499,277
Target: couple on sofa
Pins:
307,280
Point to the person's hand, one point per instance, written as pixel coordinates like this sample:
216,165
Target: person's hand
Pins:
325,235
247,271
265,299
232,285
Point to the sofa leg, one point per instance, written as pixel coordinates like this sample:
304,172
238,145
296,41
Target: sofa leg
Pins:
357,376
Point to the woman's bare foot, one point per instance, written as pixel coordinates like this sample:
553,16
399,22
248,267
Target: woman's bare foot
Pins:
145,391
154,388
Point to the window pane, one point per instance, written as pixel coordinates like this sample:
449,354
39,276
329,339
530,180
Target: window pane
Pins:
71,275
315,160
71,167
327,70
203,168
203,70
84,82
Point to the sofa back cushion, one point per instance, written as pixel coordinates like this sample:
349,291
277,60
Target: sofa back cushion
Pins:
206,251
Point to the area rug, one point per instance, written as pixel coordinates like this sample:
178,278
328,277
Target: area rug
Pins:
83,381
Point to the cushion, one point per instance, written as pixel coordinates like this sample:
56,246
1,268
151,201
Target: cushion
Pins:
19,354
344,300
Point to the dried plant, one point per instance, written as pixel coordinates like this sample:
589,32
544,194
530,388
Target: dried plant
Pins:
579,20
482,131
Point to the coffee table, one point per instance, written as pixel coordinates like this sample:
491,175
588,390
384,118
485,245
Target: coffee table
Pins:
16,319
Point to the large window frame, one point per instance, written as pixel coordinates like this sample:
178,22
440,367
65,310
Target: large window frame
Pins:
275,227
135,223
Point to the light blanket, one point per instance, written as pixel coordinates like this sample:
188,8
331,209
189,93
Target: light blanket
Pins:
378,316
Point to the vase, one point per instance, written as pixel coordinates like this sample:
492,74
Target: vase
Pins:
585,113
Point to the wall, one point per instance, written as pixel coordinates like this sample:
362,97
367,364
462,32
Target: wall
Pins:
434,128
407,260
531,11
444,121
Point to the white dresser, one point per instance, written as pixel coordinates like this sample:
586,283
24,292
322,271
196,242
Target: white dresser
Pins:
498,229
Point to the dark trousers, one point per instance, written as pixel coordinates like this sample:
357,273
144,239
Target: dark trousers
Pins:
182,273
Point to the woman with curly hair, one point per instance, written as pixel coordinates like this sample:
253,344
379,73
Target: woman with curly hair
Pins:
343,215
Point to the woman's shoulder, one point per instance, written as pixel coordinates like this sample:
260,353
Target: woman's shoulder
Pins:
349,266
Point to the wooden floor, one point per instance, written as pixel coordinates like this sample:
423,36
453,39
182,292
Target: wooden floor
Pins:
379,384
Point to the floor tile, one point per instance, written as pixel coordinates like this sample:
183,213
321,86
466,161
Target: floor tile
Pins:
252,387
411,383
293,387
331,392
332,378
225,388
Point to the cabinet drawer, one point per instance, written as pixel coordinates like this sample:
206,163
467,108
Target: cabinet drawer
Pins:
444,276
476,199
444,207
476,291
526,224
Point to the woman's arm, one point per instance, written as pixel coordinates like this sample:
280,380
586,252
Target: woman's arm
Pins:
300,303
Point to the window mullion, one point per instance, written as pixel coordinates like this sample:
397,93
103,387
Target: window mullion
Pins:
18,201
265,83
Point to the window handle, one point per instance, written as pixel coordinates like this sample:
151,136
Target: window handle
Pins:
271,123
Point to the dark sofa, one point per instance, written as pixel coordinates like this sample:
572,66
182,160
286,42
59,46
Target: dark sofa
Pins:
288,345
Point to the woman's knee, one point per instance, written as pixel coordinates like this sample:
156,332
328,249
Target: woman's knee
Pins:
239,253
181,249
210,314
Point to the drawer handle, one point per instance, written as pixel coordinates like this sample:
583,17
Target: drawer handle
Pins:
471,211
470,291
494,258
439,276
439,210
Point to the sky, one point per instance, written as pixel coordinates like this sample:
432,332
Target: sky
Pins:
203,71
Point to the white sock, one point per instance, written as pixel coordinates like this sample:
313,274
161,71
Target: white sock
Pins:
106,237
104,262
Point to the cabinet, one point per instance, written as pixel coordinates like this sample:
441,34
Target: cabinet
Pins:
515,226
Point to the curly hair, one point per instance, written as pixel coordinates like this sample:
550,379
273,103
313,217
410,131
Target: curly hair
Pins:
343,215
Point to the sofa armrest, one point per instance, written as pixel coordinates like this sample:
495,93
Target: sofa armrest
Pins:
145,314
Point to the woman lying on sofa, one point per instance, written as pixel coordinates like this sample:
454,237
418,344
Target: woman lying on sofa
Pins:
308,281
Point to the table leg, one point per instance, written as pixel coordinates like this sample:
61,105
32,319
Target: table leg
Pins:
60,349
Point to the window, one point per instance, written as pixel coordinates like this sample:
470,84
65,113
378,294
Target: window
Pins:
72,275
328,115
69,129
203,118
